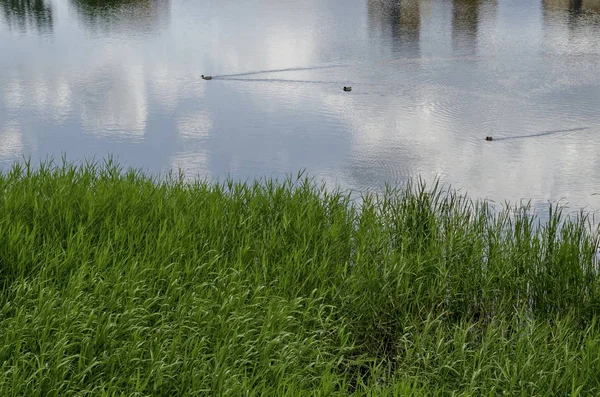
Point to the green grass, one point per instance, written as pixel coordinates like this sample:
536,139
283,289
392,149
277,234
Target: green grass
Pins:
115,283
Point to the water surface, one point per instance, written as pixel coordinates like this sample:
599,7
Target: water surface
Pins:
431,79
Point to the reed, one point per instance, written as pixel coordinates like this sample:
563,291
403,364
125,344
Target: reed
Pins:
118,283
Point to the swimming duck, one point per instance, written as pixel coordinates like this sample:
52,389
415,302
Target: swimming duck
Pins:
206,77
347,89
489,138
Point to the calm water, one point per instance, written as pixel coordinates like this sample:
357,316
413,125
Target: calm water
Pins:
431,79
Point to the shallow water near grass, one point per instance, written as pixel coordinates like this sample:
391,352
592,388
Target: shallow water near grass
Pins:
431,79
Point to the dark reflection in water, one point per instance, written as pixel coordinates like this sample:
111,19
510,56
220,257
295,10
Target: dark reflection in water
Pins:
575,14
465,22
582,11
123,15
26,15
580,15
573,5
398,19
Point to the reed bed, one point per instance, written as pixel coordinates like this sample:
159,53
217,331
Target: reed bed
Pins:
116,283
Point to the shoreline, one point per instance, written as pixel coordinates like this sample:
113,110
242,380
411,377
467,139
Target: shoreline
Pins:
116,282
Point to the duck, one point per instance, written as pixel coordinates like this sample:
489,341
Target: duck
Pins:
206,77
347,89
489,138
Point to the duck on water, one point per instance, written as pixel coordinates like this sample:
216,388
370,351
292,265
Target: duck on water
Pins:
206,77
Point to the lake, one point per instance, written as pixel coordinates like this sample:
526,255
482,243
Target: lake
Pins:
430,80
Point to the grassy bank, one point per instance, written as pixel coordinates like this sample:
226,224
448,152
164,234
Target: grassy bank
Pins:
117,284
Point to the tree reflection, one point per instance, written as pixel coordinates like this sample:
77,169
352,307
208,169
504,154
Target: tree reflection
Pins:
116,15
27,15
465,22
578,13
398,19
572,5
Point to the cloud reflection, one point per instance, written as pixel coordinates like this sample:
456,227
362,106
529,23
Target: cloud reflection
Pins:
195,164
11,142
14,95
114,102
38,91
195,125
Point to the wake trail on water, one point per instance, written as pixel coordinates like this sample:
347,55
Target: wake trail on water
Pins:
545,133
281,80
298,69
357,64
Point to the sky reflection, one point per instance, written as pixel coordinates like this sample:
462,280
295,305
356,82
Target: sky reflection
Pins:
430,80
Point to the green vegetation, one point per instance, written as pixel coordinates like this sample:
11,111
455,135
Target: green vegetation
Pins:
114,283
